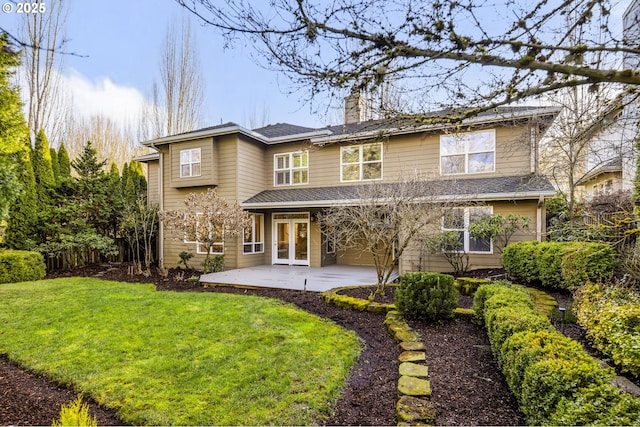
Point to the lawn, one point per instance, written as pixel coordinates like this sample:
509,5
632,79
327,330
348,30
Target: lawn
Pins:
173,358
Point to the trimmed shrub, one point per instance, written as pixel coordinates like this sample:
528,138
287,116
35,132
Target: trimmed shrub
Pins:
600,405
507,321
469,285
21,266
549,258
611,317
483,293
520,260
547,372
587,261
427,296
551,379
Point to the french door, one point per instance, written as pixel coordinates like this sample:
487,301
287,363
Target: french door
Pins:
291,239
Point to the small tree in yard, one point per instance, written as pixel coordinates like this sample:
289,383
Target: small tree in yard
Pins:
384,220
449,245
207,218
499,228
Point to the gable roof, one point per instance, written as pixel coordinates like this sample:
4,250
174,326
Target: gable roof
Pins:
433,121
529,186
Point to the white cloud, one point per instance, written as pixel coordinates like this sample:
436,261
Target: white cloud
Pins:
122,104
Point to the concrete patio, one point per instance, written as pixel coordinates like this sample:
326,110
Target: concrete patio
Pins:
317,279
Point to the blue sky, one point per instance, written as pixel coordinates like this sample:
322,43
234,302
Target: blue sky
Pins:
121,42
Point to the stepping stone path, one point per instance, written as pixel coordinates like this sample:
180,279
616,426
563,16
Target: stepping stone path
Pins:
414,405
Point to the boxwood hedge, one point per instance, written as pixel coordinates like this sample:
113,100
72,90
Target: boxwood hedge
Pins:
21,266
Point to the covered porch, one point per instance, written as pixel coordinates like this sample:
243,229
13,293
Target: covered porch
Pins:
317,279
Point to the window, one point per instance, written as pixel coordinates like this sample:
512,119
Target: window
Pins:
291,168
253,242
458,219
471,152
192,235
190,161
361,162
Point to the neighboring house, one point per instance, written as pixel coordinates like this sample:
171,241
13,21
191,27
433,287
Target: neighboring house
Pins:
285,175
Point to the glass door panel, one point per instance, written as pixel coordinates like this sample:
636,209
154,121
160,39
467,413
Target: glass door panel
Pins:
301,242
283,242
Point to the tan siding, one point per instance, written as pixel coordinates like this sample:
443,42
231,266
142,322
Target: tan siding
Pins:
209,171
405,154
251,169
153,182
416,258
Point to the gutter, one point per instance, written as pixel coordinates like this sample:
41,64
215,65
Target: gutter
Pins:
342,202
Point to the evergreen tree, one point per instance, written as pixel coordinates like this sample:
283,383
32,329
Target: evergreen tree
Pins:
23,215
13,129
125,178
87,165
42,166
117,202
64,164
55,166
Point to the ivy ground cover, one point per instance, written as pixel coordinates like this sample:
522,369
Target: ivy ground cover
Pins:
168,358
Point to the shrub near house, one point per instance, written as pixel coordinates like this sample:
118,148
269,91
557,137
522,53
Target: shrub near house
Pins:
559,265
554,380
21,266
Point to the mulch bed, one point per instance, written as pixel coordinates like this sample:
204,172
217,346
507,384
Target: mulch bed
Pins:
468,388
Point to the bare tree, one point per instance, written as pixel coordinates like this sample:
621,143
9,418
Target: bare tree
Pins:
473,53
43,36
178,100
588,131
207,219
112,141
385,218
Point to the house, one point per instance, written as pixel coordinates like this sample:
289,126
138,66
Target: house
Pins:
284,175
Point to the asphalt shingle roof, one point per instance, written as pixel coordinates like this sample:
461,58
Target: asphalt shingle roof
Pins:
530,184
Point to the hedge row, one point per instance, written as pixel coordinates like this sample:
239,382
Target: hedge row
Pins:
611,316
559,265
21,266
551,376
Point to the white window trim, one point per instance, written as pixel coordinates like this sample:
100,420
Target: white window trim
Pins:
260,238
467,236
467,153
361,162
291,169
199,245
191,163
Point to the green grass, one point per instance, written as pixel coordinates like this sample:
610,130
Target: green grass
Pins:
170,358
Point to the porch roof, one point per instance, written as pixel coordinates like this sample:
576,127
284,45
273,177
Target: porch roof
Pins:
531,186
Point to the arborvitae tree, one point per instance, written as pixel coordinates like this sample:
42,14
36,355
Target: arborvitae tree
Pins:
13,129
117,202
21,230
42,166
55,166
136,183
124,178
64,164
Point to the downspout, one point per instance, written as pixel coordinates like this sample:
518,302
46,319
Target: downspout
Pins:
539,218
160,207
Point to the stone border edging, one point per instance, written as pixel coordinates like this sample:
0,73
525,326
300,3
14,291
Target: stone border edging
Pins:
414,406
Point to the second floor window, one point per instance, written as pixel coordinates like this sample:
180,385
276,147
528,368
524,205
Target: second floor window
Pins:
291,168
361,162
190,162
468,152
